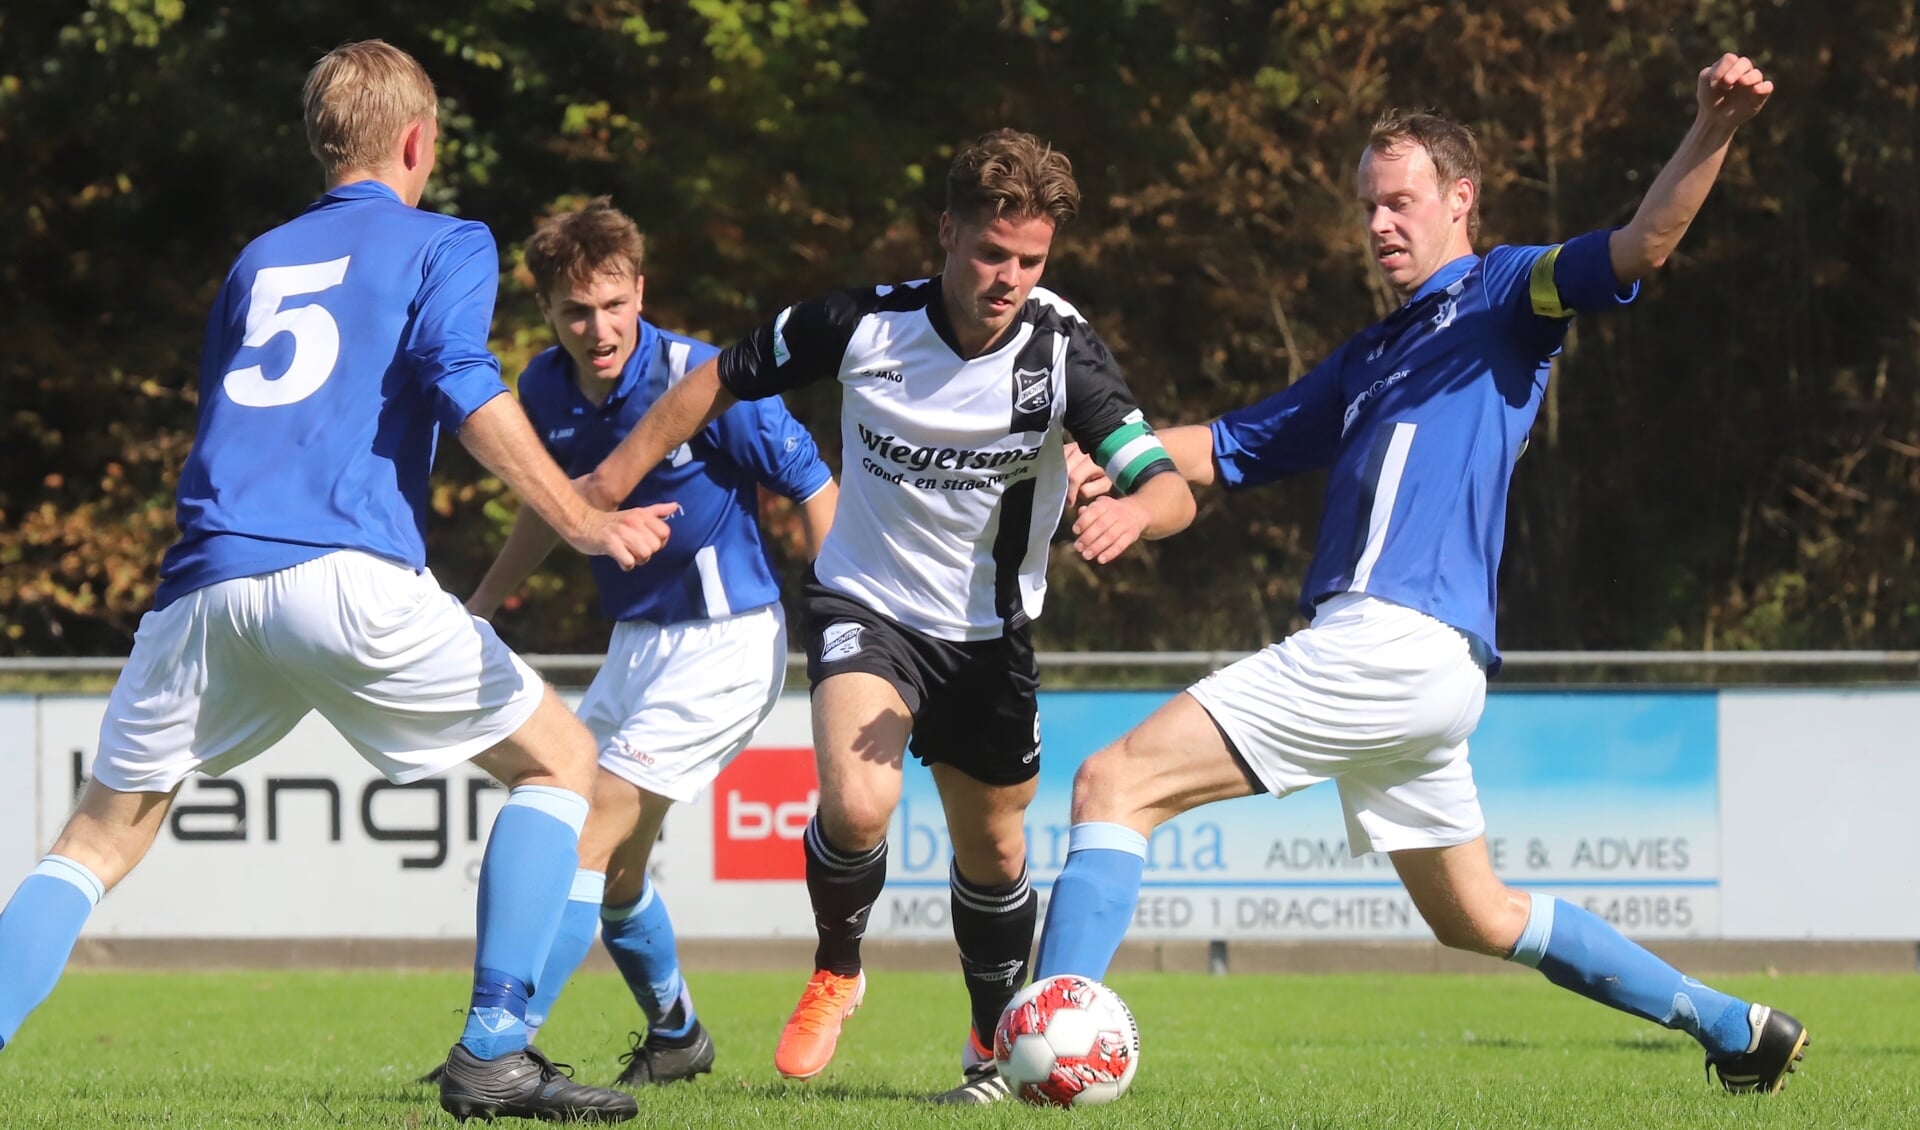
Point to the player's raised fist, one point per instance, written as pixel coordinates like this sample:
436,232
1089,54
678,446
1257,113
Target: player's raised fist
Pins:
1732,90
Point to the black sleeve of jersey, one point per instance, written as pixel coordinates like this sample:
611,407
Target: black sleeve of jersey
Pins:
1100,406
804,343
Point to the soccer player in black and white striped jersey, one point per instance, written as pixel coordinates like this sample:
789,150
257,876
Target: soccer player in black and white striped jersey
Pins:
959,396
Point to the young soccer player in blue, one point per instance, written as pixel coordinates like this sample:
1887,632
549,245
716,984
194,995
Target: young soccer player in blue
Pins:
699,648
1419,418
341,343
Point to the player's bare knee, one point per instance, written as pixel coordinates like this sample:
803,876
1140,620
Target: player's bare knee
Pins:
853,822
992,857
1103,788
1485,928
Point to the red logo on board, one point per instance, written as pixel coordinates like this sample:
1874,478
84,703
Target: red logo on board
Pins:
761,804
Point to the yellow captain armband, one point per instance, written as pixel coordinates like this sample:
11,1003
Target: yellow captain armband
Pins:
1541,287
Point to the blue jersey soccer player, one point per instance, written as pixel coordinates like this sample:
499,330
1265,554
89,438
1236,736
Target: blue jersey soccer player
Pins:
1419,419
340,344
699,650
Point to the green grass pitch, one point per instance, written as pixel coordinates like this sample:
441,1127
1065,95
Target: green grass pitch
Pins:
341,1049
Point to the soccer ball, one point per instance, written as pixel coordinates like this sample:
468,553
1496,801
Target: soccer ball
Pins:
1067,1041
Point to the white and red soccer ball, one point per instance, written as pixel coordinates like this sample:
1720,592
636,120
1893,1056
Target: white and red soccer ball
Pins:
1067,1041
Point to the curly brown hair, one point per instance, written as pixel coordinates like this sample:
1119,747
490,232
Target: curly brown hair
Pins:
581,246
1013,174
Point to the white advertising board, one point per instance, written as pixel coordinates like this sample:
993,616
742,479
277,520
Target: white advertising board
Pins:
1694,814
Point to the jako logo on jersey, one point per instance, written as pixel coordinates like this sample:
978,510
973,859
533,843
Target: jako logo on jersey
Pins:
943,458
1032,389
1368,393
840,641
893,375
558,434
780,353
762,801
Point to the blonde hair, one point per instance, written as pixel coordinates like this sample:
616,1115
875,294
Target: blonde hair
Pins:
358,99
1449,144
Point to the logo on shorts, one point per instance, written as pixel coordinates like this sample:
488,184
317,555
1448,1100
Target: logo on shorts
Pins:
1032,390
840,641
625,749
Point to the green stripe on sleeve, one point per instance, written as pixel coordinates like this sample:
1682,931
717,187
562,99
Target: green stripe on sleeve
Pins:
1118,439
1149,451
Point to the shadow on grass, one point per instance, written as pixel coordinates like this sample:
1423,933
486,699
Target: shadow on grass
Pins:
1501,1043
1643,1044
838,1092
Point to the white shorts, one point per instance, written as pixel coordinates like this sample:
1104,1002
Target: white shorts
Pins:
674,703
1374,696
411,680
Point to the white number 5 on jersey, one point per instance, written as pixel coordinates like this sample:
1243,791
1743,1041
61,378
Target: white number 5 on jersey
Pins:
316,336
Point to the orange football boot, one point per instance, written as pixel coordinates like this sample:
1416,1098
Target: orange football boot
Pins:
808,1040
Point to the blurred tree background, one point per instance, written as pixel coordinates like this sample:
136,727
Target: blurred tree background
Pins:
1735,462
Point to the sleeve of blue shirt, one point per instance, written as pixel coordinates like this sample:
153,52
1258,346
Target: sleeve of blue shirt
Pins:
453,315
763,437
1558,281
537,399
1296,429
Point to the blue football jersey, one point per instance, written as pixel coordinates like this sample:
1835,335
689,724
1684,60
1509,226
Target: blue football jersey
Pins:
1420,418
339,344
715,562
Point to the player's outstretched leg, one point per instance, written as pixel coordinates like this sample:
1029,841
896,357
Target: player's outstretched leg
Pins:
1092,901
37,931
1174,761
109,833
639,936
1752,1047
525,880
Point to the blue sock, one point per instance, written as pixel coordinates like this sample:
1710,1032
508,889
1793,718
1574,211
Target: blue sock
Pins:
524,881
1577,950
640,938
577,925
37,932
1092,901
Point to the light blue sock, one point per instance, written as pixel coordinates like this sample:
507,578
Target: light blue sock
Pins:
1092,901
37,932
524,881
1577,950
640,938
577,925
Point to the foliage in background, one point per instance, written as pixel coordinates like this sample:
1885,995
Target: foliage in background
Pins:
1734,462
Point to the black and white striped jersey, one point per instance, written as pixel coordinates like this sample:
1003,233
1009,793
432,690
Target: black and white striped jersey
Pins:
953,474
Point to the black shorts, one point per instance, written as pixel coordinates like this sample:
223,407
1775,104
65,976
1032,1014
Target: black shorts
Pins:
973,702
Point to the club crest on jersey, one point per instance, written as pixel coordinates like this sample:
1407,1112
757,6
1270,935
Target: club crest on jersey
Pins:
840,641
1032,390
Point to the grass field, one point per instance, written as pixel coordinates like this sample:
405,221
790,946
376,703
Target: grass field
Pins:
319,1049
